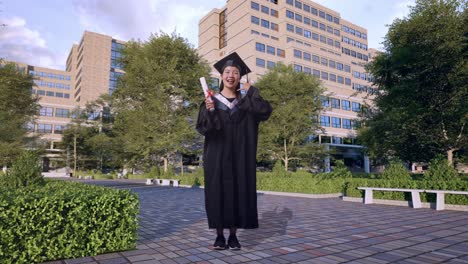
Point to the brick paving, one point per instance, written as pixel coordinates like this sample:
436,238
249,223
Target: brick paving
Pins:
173,229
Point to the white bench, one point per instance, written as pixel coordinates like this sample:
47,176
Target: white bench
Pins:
369,197
440,202
168,182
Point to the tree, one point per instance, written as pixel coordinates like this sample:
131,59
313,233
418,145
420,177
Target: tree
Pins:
421,110
17,108
154,100
295,98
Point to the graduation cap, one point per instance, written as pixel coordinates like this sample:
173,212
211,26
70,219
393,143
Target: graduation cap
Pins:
232,59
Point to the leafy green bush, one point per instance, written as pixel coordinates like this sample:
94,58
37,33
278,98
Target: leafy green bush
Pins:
396,170
440,170
25,171
65,220
339,171
279,169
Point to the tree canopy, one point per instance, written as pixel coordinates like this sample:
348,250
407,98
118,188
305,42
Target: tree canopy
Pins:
17,109
154,101
295,98
421,109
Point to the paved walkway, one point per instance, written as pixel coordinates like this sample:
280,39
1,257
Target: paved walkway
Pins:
173,230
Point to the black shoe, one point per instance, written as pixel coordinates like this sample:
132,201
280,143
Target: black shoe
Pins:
233,243
220,243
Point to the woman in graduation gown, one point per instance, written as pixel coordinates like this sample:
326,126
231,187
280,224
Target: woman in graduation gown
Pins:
229,121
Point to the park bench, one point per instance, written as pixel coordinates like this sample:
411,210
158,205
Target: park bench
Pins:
440,201
369,198
163,182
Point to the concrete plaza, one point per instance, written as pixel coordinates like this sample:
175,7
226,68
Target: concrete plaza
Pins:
173,230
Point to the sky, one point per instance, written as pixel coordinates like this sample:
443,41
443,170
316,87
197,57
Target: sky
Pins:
41,33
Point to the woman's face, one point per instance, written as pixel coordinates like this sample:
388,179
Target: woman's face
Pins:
231,77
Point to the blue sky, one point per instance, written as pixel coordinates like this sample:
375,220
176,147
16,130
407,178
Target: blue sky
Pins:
42,32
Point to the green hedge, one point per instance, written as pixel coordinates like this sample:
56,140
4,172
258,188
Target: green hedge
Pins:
456,185
65,220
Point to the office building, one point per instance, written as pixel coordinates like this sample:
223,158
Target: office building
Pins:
315,40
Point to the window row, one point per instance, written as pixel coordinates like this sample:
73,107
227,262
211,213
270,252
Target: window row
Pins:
364,88
46,128
270,49
313,11
313,23
330,102
264,63
321,60
264,9
59,112
254,32
52,85
355,54
264,23
113,78
354,43
354,32
323,75
322,139
50,93
337,122
311,35
50,75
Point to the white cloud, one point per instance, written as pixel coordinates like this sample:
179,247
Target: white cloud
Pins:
21,44
126,20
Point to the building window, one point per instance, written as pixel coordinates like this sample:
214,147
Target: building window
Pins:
40,92
260,62
265,23
315,36
260,47
335,103
265,10
306,8
348,81
290,2
306,20
322,26
297,68
255,20
324,61
307,34
316,73
332,77
289,14
271,50
49,93
324,75
44,128
321,14
273,12
59,95
347,68
46,111
331,64
298,17
340,79
323,39
280,53
270,65
325,121
314,23
298,4
274,26
346,105
313,11
298,54
356,107
290,27
346,123
307,56
315,58
299,31
325,101
58,129
336,122
308,70
64,113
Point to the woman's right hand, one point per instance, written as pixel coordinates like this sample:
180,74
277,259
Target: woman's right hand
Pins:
209,103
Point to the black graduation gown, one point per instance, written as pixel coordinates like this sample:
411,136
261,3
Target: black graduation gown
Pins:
229,160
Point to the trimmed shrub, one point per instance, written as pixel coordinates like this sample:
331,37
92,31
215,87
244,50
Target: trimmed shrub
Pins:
440,170
396,170
65,220
25,171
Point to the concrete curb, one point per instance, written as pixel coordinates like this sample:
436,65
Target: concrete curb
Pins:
454,207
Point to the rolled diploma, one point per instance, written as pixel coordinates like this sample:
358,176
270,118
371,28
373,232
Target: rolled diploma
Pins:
205,90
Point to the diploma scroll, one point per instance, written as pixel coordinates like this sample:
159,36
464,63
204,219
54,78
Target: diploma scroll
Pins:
207,92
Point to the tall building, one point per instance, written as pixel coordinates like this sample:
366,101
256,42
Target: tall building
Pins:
92,69
312,38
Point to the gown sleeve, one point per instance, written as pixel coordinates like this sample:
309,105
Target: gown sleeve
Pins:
255,104
207,121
